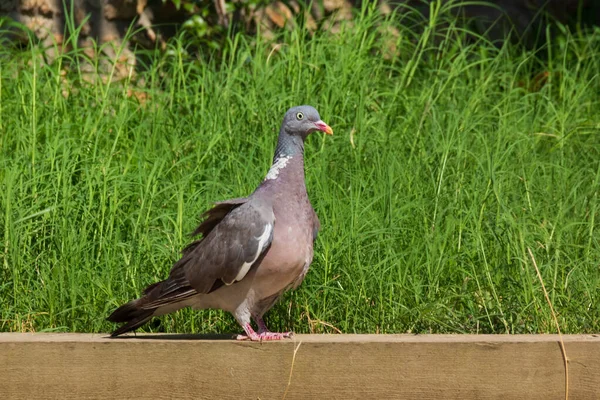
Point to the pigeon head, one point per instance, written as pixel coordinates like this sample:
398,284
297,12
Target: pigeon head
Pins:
298,123
302,121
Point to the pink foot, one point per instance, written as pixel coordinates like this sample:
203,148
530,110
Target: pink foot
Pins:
254,338
275,335
266,335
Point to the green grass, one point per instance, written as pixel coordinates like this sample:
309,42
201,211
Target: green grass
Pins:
442,171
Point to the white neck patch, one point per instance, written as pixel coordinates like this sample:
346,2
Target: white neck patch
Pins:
277,166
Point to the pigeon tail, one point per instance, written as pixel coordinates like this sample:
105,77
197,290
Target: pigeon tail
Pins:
133,314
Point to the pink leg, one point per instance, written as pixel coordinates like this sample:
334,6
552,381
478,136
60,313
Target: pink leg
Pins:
262,327
250,334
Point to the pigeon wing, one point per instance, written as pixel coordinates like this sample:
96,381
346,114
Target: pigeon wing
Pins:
222,257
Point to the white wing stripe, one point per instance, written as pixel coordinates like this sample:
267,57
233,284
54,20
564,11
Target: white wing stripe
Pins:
262,242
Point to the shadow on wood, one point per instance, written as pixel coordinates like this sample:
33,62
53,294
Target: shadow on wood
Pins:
177,336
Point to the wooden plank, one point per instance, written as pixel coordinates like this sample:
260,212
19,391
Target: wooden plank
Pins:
82,366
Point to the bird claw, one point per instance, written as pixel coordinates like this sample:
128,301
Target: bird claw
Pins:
275,335
265,336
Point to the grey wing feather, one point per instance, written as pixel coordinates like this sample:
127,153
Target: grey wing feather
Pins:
212,217
231,249
225,254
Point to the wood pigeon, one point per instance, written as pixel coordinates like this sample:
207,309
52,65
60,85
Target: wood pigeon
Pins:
252,249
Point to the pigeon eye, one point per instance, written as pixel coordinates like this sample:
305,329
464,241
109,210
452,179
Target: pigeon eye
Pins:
299,116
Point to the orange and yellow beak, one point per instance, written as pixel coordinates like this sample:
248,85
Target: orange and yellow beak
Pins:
323,127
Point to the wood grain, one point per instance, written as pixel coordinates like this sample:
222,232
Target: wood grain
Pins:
85,366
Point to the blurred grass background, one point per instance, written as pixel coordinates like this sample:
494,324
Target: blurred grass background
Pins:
450,159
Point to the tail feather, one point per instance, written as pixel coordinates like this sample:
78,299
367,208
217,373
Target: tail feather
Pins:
162,297
133,314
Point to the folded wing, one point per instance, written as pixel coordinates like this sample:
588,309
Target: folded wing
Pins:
234,239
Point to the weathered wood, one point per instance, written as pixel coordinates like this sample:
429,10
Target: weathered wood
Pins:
79,366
